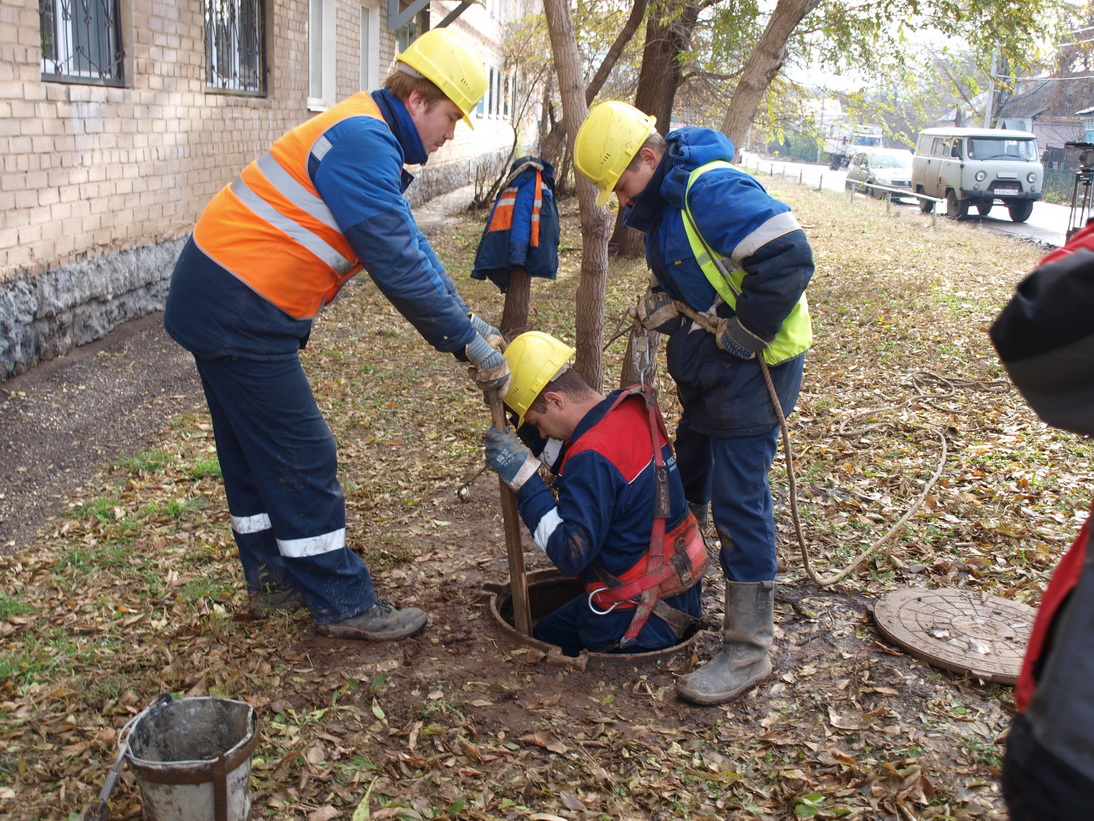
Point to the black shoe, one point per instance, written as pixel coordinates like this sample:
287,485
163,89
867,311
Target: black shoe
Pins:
381,622
278,601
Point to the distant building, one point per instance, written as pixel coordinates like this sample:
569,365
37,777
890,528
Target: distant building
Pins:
1088,124
122,118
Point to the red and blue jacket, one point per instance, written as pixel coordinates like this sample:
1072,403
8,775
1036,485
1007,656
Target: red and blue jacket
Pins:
604,510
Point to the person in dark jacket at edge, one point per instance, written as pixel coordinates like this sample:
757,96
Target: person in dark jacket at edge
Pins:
268,252
1045,338
620,521
718,245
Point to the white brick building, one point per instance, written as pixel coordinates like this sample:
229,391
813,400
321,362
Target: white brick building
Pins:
119,120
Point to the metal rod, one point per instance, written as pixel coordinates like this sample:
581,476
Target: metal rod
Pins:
518,581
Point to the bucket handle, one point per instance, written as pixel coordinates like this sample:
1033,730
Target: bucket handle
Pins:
127,728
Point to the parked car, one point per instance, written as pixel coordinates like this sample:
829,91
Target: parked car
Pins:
889,169
978,167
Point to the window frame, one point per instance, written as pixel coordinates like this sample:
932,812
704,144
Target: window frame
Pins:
325,61
370,46
56,37
230,12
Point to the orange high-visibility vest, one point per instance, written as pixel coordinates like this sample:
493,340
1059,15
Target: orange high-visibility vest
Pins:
271,229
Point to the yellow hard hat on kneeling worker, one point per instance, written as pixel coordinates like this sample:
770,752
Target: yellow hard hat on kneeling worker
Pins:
447,60
535,359
607,142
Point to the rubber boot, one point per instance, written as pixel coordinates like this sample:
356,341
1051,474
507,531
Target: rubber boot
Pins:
743,660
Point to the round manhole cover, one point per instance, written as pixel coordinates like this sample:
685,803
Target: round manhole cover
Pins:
958,630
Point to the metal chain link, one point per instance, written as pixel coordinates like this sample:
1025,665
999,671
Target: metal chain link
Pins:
640,351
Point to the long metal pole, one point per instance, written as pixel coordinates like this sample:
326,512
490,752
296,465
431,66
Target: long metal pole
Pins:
518,581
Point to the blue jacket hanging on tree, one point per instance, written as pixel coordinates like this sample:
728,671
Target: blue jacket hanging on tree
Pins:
523,230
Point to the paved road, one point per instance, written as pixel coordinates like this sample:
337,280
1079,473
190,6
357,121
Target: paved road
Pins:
1047,225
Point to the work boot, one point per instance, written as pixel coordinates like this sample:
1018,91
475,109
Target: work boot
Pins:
381,622
743,660
278,601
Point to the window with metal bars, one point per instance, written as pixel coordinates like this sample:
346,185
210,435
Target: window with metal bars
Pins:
81,41
235,46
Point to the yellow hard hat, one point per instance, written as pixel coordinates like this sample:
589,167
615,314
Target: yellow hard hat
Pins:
607,142
535,359
446,58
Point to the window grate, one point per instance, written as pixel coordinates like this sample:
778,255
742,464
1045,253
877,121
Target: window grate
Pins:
235,58
81,41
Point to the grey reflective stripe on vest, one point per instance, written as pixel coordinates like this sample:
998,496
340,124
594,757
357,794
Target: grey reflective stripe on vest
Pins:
300,196
773,228
329,256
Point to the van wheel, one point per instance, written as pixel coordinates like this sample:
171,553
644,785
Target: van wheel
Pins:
1020,211
926,206
955,208
984,208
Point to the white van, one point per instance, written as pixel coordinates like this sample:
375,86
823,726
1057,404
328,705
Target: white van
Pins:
978,167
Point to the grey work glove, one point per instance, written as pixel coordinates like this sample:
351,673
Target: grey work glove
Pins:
734,338
656,312
488,367
508,457
488,332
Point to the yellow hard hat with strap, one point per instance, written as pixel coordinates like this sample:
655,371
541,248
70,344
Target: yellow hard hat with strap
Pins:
447,59
607,142
535,359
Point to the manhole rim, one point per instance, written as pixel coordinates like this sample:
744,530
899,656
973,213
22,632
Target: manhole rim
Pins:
553,653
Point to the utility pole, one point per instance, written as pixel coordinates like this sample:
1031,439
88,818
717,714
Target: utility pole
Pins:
991,88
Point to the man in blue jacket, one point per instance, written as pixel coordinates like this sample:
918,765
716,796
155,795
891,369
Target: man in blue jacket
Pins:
269,251
722,248
620,522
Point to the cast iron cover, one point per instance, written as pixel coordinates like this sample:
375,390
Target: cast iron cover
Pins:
958,630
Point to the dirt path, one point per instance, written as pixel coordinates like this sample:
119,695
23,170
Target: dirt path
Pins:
62,419
103,401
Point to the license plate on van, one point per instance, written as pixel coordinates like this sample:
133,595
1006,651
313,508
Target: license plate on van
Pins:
1006,189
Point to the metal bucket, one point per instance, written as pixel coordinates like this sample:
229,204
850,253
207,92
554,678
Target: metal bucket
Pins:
192,759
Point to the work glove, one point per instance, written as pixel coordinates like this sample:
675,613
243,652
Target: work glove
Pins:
488,367
734,338
507,456
655,311
488,332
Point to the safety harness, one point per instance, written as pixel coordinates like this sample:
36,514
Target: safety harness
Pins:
675,561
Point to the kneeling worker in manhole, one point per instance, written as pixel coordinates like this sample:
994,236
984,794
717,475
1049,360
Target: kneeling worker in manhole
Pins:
620,522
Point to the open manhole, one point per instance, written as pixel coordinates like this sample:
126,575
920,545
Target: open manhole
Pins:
547,591
958,630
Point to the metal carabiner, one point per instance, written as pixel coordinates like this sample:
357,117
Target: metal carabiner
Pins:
593,606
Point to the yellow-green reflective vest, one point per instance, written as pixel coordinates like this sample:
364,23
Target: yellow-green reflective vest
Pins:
795,336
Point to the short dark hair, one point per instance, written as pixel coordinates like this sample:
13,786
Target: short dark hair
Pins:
402,84
568,382
655,142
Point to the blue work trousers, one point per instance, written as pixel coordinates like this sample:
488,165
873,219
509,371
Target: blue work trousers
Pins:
279,462
731,473
575,627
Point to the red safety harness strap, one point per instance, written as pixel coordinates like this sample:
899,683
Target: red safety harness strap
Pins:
656,574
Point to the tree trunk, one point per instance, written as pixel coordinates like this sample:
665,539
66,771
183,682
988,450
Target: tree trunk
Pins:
553,142
658,81
518,296
589,320
766,61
